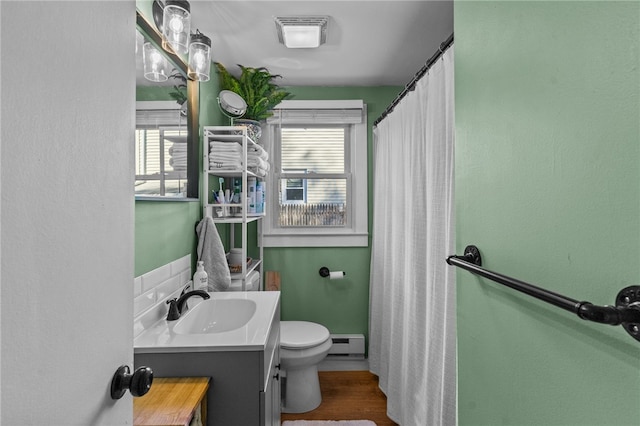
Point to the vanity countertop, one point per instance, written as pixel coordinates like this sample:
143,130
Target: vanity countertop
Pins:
161,338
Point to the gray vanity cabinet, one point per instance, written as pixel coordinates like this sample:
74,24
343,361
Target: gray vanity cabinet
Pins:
270,397
245,384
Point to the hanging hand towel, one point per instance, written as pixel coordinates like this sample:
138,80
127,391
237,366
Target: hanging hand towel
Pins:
211,252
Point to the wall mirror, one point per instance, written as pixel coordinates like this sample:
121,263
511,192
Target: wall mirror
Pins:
167,129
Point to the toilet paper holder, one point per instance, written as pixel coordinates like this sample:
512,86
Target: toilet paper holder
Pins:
325,272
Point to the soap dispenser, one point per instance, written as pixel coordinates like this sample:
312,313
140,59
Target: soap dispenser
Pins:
200,279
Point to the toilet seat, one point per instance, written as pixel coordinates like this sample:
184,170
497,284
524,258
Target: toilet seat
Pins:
302,334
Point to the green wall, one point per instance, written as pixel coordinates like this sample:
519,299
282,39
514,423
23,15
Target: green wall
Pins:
548,187
342,306
164,232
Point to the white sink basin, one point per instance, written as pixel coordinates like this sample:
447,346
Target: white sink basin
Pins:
228,321
216,316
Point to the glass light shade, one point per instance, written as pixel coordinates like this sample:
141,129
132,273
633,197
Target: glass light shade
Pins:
156,68
301,36
176,25
302,32
199,57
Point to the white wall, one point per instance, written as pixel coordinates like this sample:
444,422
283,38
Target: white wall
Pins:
68,102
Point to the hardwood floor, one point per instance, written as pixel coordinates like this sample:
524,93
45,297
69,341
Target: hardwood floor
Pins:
348,395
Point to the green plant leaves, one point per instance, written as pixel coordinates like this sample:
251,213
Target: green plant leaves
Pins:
256,87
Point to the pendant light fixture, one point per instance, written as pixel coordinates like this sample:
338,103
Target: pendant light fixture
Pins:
154,63
199,57
173,20
176,25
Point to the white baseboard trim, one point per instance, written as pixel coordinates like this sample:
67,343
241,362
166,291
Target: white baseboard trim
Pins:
332,364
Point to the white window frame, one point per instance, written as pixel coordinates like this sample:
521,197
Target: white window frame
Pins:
355,233
161,116
284,188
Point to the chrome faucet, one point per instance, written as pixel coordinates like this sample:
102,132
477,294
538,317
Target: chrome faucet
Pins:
176,305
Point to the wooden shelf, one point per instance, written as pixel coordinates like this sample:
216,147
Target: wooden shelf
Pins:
171,401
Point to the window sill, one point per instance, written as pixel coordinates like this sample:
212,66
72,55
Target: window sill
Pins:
160,198
315,240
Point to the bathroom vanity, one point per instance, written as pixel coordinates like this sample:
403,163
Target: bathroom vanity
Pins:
243,362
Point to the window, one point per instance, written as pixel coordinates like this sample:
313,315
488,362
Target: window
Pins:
317,187
293,190
161,153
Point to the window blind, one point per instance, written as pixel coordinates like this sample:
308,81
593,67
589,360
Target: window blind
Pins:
307,116
318,112
159,117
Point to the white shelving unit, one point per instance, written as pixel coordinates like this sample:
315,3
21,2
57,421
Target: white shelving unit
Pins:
236,215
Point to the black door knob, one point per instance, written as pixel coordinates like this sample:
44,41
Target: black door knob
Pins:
137,383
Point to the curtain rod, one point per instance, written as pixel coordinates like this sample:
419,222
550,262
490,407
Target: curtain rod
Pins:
412,84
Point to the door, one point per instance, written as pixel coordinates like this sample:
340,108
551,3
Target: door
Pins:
66,211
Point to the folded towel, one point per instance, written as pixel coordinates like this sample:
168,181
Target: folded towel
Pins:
178,149
229,157
211,252
259,172
225,165
218,151
178,165
257,163
258,151
181,155
225,146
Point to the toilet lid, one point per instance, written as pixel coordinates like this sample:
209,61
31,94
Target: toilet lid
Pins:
301,334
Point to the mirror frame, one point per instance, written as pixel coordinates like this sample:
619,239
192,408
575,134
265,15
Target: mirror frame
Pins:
193,113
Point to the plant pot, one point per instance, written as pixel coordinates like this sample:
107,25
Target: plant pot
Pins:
254,130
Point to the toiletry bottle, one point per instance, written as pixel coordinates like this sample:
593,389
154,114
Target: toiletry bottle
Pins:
237,197
237,190
259,197
251,183
200,279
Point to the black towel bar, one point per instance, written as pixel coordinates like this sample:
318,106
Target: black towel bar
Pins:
625,313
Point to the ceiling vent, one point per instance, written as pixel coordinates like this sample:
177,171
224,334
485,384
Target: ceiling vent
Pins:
302,32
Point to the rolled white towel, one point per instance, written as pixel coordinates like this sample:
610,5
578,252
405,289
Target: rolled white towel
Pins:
225,147
178,165
224,165
257,163
229,161
259,172
178,148
258,151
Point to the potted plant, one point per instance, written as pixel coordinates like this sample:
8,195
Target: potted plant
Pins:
256,86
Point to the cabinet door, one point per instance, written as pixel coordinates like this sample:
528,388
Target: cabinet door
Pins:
276,397
270,401
270,398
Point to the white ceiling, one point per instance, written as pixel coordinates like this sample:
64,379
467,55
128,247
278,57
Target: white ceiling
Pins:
369,43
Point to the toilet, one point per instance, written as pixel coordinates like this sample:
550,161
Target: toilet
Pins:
303,345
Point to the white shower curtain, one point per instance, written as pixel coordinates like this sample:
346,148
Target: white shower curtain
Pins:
412,342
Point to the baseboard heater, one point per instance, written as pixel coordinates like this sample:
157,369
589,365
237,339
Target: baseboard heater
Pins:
347,346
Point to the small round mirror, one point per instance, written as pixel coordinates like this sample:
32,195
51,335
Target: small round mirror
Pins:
232,104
